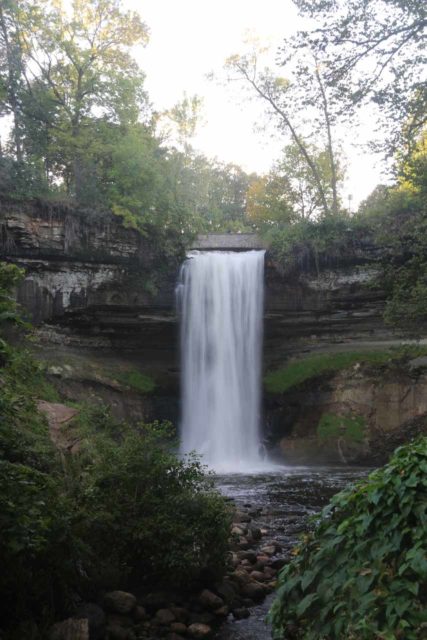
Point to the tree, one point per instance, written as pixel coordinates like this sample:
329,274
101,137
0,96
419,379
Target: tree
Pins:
78,65
372,51
269,201
287,103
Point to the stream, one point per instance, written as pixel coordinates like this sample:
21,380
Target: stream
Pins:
287,499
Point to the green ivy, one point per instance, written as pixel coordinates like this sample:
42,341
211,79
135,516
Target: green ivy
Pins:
362,574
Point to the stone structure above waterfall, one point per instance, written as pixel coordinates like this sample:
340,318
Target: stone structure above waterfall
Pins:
228,242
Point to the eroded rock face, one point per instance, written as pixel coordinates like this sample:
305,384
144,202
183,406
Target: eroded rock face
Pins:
94,287
355,416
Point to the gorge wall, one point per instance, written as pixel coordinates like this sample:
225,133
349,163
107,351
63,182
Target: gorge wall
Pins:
102,298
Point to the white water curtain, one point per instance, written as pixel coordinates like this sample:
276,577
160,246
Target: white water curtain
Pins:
221,303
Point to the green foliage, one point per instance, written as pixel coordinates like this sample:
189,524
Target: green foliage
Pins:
139,381
299,371
397,217
36,546
155,517
309,244
348,427
363,572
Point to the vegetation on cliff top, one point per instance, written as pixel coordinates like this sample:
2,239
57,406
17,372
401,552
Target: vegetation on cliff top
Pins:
297,372
362,573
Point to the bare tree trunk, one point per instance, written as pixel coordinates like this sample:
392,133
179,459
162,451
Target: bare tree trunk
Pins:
295,136
334,178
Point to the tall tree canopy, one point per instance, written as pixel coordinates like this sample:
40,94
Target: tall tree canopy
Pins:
372,50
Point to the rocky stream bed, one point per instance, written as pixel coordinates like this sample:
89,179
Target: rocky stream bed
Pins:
271,511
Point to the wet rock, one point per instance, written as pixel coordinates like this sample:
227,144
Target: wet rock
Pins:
181,614
254,590
222,612
241,613
139,613
179,627
204,617
240,576
249,555
119,601
95,617
270,550
209,600
240,517
199,631
174,636
259,576
256,533
228,592
244,543
165,616
237,531
70,629
270,573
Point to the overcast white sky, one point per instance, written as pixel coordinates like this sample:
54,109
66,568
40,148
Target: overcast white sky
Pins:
190,38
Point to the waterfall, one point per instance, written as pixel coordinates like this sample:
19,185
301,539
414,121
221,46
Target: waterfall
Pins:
221,302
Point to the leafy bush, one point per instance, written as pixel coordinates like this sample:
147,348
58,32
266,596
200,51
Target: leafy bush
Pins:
155,517
308,244
363,572
37,548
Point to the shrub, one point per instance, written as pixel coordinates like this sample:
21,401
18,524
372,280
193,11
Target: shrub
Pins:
155,517
362,573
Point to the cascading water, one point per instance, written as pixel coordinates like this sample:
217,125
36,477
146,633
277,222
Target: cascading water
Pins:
221,302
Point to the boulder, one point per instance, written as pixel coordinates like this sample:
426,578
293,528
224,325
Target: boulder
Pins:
240,613
269,550
227,591
198,630
247,555
237,531
119,601
179,627
209,600
254,590
165,616
259,576
139,613
181,614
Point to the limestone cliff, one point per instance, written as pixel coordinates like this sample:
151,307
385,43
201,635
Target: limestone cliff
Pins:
102,297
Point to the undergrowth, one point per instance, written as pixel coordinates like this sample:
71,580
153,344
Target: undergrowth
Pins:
362,574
